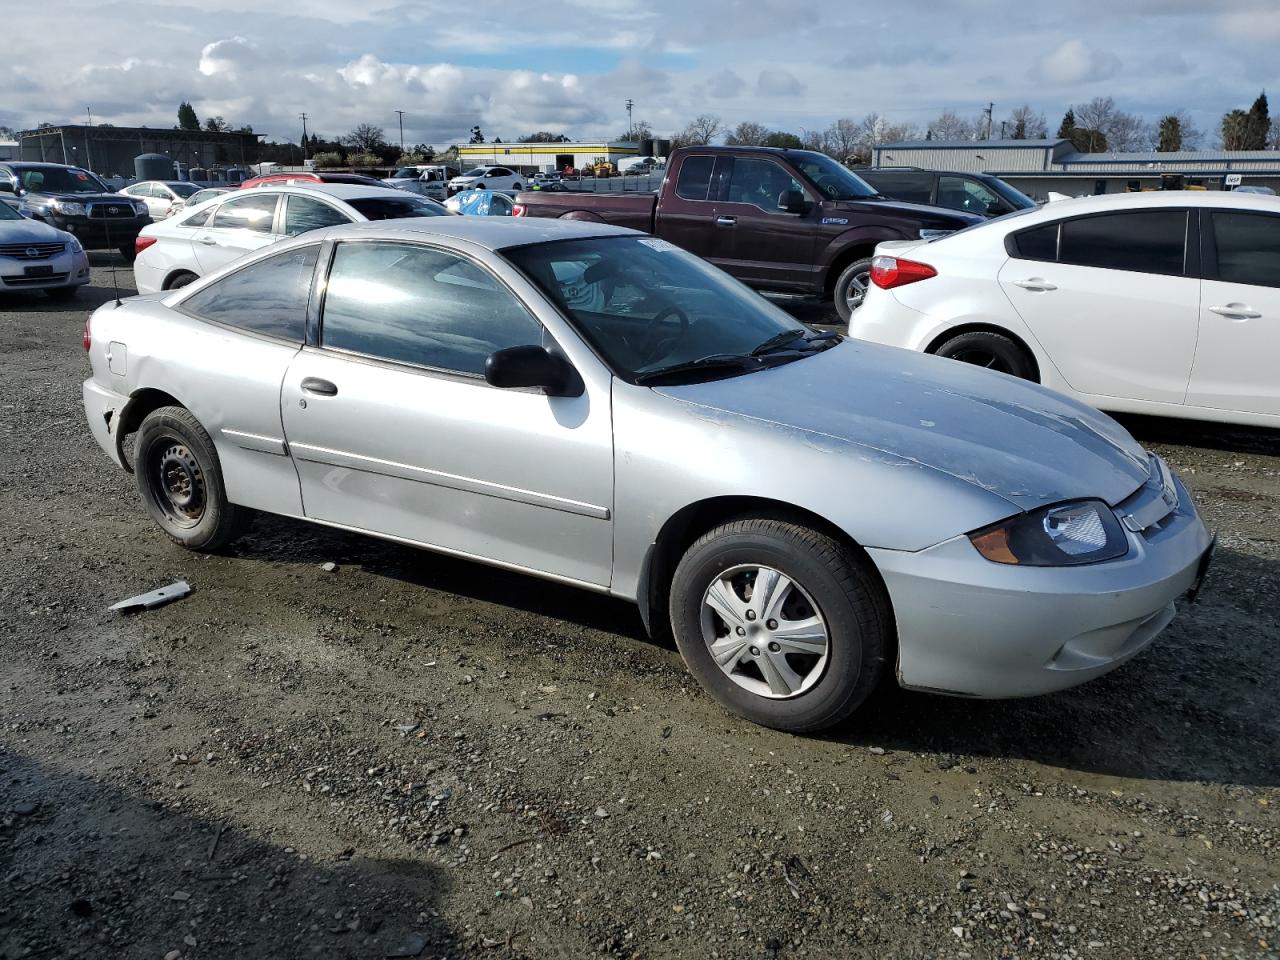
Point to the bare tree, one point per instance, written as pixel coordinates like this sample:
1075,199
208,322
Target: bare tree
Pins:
366,138
748,134
216,125
1026,124
1273,135
951,126
842,138
700,130
1130,132
818,140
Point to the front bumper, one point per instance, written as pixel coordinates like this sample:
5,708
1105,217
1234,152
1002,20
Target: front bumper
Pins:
970,627
102,408
101,234
67,269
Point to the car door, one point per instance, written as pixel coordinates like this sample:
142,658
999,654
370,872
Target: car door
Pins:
686,210
1113,299
754,238
237,226
395,431
1235,363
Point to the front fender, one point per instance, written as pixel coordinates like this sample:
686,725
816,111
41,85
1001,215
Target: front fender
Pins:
865,237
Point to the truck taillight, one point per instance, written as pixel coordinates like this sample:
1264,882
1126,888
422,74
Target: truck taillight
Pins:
142,243
87,338
890,272
518,210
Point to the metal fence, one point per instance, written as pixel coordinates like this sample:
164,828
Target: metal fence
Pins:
623,184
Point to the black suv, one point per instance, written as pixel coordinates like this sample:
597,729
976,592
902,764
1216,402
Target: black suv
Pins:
75,200
979,193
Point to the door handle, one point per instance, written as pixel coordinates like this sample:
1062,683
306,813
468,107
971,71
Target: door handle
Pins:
727,221
321,388
1035,284
1236,311
208,241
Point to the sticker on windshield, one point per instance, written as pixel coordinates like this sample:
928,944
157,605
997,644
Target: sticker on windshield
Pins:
653,243
82,176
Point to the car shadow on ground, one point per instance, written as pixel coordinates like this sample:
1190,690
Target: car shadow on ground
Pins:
1195,706
1202,433
87,862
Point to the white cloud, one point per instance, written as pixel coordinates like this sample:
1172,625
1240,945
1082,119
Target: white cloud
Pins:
778,83
1074,61
725,85
225,56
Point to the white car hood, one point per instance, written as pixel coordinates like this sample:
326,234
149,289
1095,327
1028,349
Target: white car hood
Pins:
1016,439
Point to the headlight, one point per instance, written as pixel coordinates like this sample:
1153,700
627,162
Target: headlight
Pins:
934,234
139,207
69,208
1065,535
73,243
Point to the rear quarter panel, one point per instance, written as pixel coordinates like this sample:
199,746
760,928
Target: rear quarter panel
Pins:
635,210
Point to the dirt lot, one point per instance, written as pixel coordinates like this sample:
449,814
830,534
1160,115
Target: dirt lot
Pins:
414,756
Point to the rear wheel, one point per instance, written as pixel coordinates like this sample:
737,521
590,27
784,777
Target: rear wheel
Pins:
181,280
180,479
995,351
851,287
780,623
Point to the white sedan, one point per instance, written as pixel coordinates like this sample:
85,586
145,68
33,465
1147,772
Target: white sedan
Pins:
174,252
487,178
163,198
1160,303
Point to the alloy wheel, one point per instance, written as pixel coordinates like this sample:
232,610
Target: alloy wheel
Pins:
857,290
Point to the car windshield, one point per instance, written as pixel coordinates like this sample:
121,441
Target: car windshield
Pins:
477,172
652,310
184,189
59,180
834,180
8,213
397,208
405,173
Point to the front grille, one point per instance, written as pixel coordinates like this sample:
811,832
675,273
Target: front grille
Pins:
1149,508
34,281
31,251
111,211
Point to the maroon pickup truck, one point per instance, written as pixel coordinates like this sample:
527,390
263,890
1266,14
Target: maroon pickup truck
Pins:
790,221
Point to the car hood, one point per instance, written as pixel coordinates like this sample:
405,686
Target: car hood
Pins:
79,197
30,231
935,216
1012,438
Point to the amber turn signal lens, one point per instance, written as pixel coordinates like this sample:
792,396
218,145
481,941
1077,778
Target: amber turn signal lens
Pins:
994,545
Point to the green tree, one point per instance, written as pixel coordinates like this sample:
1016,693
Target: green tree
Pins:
747,134
1235,130
544,136
328,158
1259,124
217,125
477,136
1170,134
780,138
187,119
1068,125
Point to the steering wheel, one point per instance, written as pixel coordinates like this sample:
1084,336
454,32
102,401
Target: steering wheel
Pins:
657,343
830,186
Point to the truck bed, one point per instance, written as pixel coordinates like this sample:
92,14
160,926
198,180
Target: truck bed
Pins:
634,210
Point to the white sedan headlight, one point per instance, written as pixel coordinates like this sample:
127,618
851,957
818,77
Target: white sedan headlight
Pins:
1071,533
69,208
73,244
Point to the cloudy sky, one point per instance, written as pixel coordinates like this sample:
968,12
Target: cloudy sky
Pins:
514,67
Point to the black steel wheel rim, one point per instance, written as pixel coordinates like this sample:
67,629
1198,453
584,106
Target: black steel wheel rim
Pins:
178,483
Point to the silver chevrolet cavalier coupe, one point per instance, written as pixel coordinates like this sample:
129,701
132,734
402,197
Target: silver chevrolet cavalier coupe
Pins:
591,405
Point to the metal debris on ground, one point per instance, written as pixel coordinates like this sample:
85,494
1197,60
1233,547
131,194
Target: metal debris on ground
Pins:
156,598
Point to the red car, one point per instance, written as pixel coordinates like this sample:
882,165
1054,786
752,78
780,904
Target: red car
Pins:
280,179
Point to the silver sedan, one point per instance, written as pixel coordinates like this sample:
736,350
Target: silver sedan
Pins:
809,516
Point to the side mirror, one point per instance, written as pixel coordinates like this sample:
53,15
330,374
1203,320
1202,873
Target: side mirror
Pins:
532,366
792,201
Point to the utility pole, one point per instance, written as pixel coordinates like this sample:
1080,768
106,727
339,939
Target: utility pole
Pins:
1002,126
630,129
400,113
88,159
303,117
990,108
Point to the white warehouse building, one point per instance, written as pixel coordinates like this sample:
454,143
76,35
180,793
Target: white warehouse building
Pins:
1038,167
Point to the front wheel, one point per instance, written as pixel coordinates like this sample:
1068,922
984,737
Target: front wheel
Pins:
851,287
782,624
995,351
180,479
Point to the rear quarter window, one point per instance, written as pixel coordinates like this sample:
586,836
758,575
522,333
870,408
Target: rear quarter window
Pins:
1037,243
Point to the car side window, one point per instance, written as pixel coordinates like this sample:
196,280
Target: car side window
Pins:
695,178
420,305
307,213
1248,246
267,297
961,193
1142,241
1038,243
760,182
909,187
254,213
197,219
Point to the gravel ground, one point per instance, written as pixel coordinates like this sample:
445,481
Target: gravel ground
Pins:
415,756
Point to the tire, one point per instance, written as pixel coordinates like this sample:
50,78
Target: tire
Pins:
181,280
128,252
826,579
62,293
848,297
516,186
180,479
995,351
480,186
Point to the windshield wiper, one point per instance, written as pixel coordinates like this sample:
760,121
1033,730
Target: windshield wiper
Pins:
778,340
714,361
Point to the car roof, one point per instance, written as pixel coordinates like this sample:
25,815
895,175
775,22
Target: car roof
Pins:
43,163
1161,198
493,233
339,191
